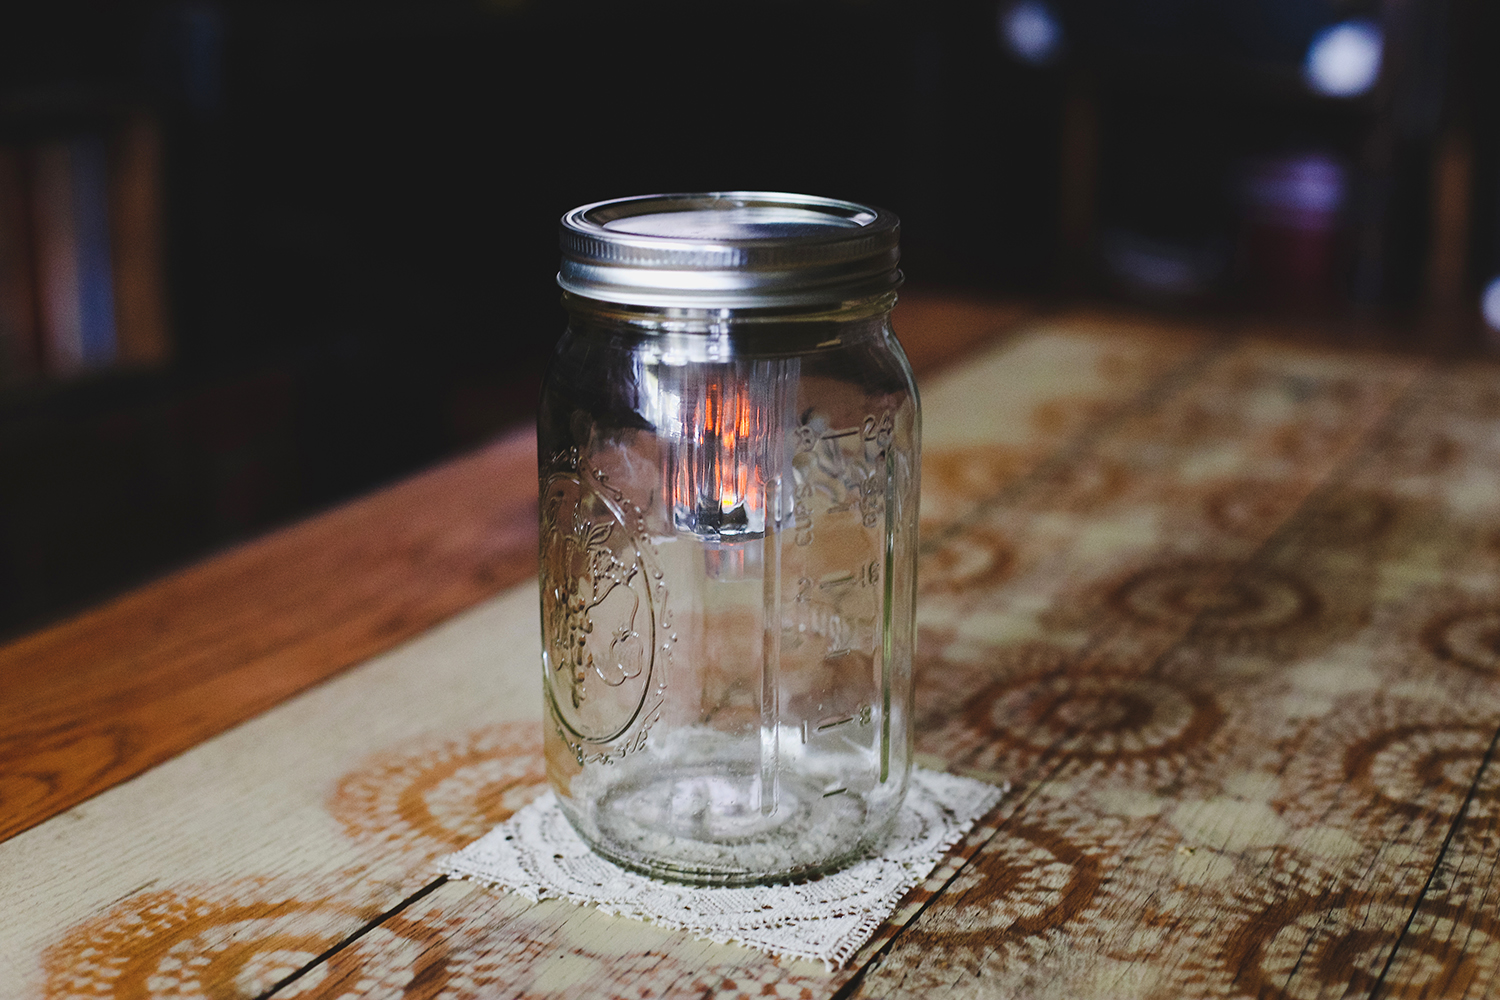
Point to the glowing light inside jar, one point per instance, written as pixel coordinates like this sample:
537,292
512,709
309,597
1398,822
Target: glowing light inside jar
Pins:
723,430
719,481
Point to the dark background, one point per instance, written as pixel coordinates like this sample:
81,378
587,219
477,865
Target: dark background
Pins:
361,202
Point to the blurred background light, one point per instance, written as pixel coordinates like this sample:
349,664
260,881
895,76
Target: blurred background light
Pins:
1489,304
304,200
1160,269
1292,208
1031,31
1300,191
1344,59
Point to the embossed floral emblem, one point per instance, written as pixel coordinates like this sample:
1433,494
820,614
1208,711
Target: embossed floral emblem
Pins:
604,617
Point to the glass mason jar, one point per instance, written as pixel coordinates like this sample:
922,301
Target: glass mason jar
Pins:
729,441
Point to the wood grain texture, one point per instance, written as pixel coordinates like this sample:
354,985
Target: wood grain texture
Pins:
1240,773
938,331
303,824
1225,611
101,698
1246,743
107,695
292,834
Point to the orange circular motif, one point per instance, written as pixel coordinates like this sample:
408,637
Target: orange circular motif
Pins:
1389,768
1428,769
1420,454
975,473
1217,598
1098,715
754,980
1040,880
243,938
529,956
1212,606
1468,638
295,937
1315,947
1081,484
1254,509
1104,717
1249,509
967,560
1025,880
942,687
437,795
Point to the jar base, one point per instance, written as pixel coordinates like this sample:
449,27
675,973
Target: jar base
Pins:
706,825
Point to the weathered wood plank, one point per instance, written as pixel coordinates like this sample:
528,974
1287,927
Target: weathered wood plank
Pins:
98,699
1238,647
105,696
1275,839
1450,945
938,331
286,837
302,824
1071,832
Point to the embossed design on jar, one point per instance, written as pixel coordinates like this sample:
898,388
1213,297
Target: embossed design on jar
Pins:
604,616
845,479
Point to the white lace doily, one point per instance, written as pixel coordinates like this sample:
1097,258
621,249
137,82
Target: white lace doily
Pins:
537,854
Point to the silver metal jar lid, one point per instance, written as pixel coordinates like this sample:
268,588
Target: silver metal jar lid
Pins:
729,249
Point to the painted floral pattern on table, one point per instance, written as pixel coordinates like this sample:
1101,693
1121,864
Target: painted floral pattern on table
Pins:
1234,637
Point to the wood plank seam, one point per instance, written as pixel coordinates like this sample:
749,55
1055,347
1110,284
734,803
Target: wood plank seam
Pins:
1458,820
1353,453
1011,806
1258,914
1155,396
1398,414
374,924
1160,389
1359,452
993,336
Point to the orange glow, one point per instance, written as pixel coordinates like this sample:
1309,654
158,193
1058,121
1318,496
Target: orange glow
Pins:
719,460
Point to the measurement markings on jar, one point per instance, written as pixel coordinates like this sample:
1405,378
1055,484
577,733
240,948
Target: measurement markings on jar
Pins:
863,717
836,791
867,576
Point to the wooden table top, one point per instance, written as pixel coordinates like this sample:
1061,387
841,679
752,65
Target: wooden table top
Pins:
1225,612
